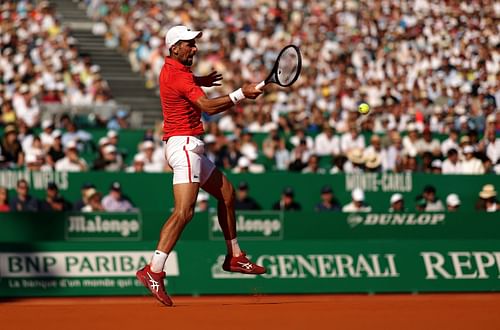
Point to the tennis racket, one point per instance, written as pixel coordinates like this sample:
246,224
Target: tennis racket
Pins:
286,69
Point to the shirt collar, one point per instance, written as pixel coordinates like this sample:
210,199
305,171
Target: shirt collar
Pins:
176,64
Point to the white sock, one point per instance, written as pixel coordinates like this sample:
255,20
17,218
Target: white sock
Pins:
158,261
233,247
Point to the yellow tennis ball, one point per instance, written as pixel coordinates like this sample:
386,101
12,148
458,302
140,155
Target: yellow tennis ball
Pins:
364,108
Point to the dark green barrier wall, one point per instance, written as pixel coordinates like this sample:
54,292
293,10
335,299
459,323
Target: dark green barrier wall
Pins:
153,192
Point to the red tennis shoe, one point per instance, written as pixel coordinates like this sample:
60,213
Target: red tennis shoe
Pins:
154,283
241,264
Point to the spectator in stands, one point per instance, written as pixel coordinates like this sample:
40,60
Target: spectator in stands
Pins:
452,203
8,116
470,164
313,166
326,143
432,203
93,198
299,157
202,202
12,153
450,143
243,200
46,136
452,164
287,201
436,166
397,203
356,161
151,163
411,141
137,164
79,204
23,201
373,163
328,200
429,144
109,160
53,200
351,140
487,199
26,106
72,162
491,146
4,200
79,136
282,156
115,201
357,203
119,121
56,150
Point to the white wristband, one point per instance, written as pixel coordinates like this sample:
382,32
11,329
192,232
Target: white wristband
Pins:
237,96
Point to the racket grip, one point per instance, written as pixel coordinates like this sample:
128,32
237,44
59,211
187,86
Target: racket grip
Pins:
260,85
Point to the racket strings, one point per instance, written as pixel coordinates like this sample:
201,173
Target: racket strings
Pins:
288,66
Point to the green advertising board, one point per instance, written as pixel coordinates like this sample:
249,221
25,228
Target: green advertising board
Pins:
62,269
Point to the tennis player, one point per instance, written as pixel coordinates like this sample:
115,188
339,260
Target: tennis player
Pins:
182,101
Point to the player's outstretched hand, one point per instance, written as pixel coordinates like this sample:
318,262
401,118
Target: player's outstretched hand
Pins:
209,80
251,91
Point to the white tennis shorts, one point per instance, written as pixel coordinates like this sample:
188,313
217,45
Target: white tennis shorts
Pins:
185,155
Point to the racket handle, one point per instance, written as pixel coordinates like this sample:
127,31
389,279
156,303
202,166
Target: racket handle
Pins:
260,85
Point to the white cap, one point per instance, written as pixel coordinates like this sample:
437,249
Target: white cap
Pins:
453,200
139,158
468,149
243,162
112,134
202,197
24,89
396,198
109,149
71,145
358,195
148,145
437,163
180,32
47,123
56,133
102,141
209,138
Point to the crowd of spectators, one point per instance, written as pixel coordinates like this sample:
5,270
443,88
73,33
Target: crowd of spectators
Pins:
425,67
40,65
91,200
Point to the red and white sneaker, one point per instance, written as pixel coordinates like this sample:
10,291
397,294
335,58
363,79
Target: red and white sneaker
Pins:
241,264
154,283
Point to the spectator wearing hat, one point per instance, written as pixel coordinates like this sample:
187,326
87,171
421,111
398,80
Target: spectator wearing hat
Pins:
4,200
487,199
375,148
428,144
287,202
93,201
137,164
357,203
71,162
470,164
79,204
452,163
53,200
115,201
202,202
23,201
46,136
432,203
452,202
243,200
12,152
328,200
151,163
397,203
356,161
436,166
108,159
373,163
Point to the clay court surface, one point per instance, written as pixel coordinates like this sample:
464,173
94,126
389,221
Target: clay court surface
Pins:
425,311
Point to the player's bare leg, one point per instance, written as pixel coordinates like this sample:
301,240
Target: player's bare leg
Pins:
219,186
152,276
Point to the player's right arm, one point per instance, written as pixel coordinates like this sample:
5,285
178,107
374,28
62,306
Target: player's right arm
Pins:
223,103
